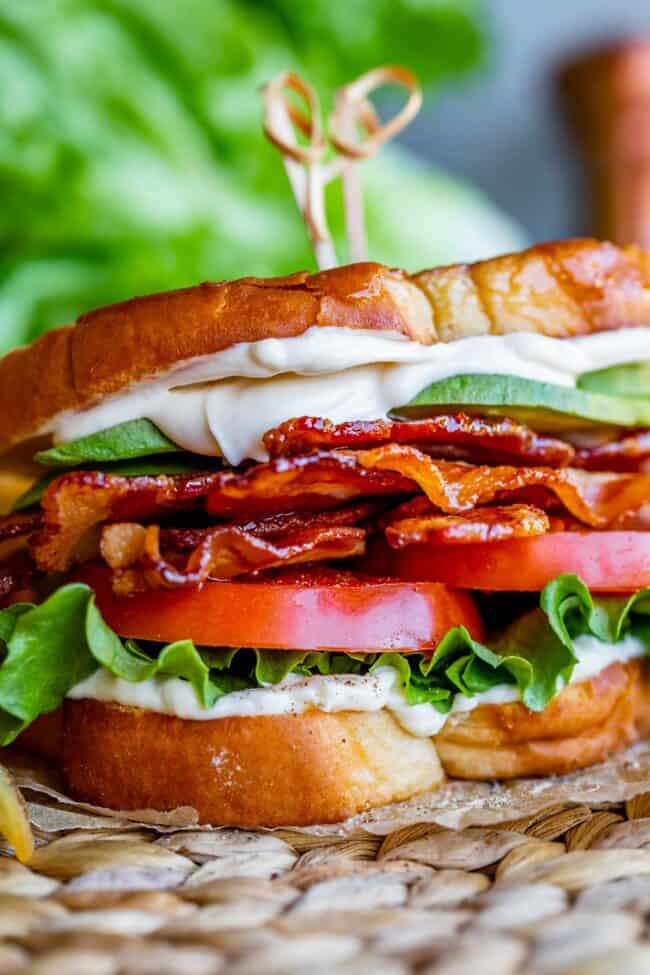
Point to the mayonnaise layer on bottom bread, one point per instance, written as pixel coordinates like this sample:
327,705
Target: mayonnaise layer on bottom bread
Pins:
369,692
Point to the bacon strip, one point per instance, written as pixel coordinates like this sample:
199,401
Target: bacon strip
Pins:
627,454
16,575
19,524
491,441
480,525
77,503
309,482
595,499
134,551
185,539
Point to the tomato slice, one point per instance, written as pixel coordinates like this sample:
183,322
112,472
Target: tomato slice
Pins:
605,561
356,615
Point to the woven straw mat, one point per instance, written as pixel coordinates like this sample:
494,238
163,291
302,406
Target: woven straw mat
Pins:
564,890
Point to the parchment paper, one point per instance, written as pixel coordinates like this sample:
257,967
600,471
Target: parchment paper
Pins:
455,805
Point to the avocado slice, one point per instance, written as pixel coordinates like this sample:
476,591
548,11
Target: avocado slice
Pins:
542,406
630,380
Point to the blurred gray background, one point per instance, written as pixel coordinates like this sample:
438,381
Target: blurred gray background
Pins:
503,129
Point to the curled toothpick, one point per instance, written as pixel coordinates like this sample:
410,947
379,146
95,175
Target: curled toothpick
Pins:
354,113
352,102
355,133
303,163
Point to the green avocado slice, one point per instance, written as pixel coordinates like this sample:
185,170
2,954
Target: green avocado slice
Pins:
630,380
125,441
542,406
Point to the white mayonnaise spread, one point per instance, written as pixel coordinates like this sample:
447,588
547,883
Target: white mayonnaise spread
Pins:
223,403
370,692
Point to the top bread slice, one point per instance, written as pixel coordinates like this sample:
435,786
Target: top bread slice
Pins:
560,289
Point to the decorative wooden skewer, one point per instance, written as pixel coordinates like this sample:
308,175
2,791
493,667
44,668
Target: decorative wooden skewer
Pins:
353,111
355,133
303,163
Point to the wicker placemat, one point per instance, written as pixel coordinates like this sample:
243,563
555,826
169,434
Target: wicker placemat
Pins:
565,890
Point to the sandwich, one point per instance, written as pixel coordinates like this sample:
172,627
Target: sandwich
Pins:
289,549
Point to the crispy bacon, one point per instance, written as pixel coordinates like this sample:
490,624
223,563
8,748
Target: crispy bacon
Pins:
597,499
16,576
631,453
76,504
480,525
310,482
490,441
316,479
19,524
184,539
134,552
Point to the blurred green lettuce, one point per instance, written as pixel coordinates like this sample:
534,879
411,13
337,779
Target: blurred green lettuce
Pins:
132,157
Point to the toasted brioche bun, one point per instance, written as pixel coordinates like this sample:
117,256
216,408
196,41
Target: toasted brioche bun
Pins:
274,770
584,724
560,289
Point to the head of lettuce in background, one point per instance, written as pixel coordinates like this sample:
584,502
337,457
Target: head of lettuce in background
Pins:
133,158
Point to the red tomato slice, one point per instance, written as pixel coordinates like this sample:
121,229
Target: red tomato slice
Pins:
605,561
363,616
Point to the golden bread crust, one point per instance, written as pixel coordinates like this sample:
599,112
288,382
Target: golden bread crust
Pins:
561,289
289,769
583,725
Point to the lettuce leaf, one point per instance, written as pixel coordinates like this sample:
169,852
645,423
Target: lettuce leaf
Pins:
45,650
460,665
571,611
51,647
536,652
46,653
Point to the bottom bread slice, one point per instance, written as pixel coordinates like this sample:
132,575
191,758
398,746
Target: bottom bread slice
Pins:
585,724
272,770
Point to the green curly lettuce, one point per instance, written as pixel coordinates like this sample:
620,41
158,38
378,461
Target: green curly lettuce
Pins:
536,652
